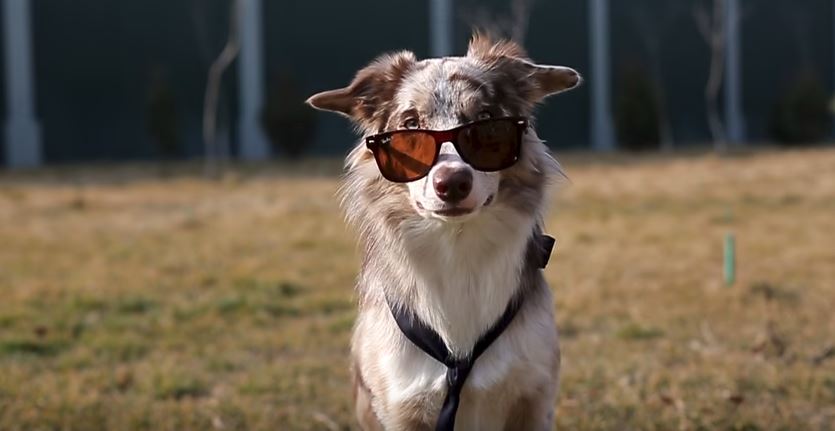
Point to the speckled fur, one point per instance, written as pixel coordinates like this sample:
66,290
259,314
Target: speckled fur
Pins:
457,276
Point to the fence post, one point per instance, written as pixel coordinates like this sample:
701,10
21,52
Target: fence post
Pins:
251,140
602,133
734,117
23,134
440,27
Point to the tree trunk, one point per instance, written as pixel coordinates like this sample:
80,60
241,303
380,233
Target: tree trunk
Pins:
664,124
213,157
653,34
714,85
712,26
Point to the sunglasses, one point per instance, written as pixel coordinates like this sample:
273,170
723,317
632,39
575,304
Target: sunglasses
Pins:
487,145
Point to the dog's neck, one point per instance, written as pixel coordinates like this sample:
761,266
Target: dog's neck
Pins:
458,279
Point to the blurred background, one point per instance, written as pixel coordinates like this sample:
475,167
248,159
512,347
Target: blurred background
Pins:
106,81
172,255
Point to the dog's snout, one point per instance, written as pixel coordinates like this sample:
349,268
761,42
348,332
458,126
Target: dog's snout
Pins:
453,184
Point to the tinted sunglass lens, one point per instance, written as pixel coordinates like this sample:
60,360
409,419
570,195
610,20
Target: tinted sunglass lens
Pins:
491,145
406,156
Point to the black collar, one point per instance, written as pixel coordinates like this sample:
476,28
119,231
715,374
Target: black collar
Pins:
426,339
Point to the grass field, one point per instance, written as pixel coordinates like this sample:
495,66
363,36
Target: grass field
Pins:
132,300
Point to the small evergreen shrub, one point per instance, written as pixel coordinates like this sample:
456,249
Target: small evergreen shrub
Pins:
288,122
801,114
637,111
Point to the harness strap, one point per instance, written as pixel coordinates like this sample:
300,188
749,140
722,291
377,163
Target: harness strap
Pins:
427,340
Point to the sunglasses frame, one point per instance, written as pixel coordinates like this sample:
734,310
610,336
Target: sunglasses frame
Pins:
375,142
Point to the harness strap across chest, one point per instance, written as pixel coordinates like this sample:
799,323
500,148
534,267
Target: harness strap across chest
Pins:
426,339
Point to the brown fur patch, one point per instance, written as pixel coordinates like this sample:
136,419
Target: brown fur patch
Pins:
519,80
474,83
374,88
485,47
522,188
511,90
367,100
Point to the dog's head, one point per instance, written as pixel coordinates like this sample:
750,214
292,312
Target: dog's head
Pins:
494,79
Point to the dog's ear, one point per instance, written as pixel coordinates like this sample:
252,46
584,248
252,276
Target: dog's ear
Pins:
373,86
534,81
546,80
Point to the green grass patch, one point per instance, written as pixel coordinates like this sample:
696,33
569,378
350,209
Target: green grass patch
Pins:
281,310
231,304
774,292
328,305
7,320
81,304
281,289
135,305
120,348
179,386
829,385
189,312
634,331
342,324
40,348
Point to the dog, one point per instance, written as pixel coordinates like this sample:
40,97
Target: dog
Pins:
448,248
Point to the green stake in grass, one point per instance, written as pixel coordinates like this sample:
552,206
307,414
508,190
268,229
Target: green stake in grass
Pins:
730,259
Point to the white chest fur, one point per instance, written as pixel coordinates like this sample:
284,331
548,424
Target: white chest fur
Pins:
462,283
461,277
518,361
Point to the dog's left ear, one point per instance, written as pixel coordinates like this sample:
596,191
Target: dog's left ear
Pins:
546,80
373,86
534,81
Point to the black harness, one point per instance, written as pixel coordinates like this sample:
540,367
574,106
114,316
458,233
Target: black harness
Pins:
426,339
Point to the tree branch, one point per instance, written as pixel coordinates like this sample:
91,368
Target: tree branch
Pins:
210,105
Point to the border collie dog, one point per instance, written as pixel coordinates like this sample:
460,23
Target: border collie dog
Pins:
446,191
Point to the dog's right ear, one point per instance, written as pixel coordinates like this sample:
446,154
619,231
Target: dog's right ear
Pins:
374,86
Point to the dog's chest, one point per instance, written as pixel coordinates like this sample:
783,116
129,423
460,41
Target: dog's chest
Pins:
517,363
462,306
462,285
461,303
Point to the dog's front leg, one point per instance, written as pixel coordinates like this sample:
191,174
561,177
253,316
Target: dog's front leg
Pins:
533,414
362,404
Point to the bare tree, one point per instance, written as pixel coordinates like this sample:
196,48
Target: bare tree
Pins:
213,153
213,83
652,31
712,26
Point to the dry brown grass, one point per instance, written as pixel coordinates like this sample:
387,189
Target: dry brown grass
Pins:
132,300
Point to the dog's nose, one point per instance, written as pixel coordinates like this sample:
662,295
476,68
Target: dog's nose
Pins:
453,185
